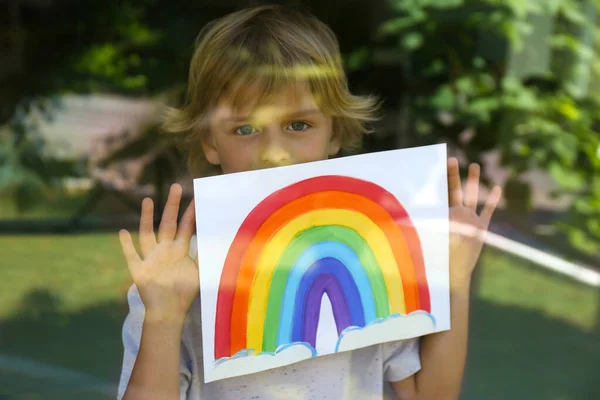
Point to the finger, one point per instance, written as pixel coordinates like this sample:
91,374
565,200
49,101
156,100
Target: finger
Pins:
454,185
187,224
472,187
147,236
168,223
490,206
131,255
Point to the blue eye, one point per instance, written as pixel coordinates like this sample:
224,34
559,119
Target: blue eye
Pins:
245,130
299,126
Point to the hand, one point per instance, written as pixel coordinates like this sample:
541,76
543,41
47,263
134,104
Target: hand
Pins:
467,229
165,275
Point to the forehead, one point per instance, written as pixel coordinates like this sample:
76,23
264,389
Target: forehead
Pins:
248,103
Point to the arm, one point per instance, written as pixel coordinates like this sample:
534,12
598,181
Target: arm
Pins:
443,357
133,327
443,354
167,280
155,373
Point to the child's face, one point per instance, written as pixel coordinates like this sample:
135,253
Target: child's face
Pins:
289,130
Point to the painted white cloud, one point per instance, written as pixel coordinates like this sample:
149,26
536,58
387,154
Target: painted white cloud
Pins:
396,327
248,364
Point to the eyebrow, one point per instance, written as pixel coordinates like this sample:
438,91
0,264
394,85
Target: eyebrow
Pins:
295,114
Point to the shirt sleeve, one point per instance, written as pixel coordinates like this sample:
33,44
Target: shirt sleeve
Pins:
132,334
401,359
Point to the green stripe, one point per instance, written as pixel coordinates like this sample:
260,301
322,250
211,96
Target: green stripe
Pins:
297,245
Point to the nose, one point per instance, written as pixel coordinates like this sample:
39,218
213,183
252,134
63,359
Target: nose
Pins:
274,152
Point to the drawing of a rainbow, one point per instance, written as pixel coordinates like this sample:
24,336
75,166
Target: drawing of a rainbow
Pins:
346,237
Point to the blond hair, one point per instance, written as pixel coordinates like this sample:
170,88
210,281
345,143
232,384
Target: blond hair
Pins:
268,47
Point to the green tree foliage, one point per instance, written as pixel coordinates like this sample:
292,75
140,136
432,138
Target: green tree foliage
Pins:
134,47
26,169
548,120
130,47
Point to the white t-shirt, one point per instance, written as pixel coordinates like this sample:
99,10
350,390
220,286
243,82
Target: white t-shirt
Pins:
357,374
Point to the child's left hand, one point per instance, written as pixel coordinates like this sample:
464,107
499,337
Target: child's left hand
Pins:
467,228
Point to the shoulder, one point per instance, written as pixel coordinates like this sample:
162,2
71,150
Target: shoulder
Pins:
401,359
401,349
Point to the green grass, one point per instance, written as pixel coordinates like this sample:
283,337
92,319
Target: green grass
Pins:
509,281
24,387
534,335
63,301
76,272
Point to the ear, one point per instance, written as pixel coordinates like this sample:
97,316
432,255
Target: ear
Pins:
334,146
210,150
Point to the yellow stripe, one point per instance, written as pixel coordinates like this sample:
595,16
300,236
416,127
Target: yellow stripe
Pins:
373,235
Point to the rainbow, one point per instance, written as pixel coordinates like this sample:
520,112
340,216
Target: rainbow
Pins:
338,235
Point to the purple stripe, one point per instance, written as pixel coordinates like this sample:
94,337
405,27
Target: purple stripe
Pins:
325,283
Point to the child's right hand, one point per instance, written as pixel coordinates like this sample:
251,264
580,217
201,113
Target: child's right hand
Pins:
165,275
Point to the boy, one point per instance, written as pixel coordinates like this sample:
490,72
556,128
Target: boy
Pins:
267,88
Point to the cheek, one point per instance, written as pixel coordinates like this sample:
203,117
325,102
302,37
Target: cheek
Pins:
236,157
313,148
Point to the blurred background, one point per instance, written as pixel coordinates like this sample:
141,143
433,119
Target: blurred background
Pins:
511,84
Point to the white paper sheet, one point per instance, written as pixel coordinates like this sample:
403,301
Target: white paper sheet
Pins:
306,260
